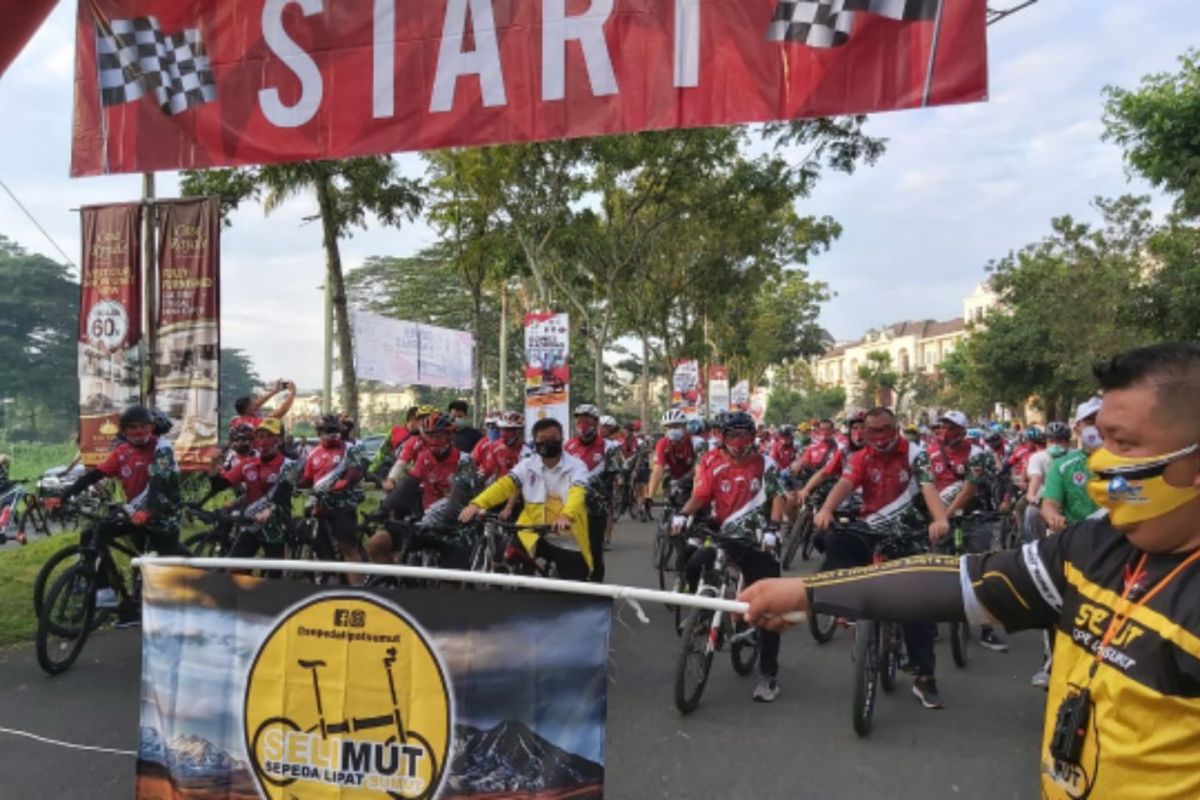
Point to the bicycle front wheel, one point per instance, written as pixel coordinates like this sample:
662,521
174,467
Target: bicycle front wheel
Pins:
695,661
866,674
205,545
66,619
960,632
795,538
822,627
55,565
744,652
33,520
890,644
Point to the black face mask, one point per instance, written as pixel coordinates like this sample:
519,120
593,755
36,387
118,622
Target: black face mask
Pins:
549,449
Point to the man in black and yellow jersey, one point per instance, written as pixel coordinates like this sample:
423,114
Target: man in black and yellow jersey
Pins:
1123,713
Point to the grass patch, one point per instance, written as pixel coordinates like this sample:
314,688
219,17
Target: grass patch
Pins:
18,567
31,459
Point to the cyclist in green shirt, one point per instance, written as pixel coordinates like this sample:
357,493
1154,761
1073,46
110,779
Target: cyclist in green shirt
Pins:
1065,500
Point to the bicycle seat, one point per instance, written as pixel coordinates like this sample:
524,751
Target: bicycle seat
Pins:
310,664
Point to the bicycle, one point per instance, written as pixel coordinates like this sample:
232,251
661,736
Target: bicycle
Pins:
68,613
328,728
216,542
879,646
705,633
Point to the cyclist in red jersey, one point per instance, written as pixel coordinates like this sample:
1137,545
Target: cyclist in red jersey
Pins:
885,471
241,445
826,457
407,453
741,485
600,461
334,471
674,455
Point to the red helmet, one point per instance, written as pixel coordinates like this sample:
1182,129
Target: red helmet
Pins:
437,422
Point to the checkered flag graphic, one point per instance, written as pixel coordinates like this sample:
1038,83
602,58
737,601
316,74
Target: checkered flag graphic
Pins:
828,23
136,57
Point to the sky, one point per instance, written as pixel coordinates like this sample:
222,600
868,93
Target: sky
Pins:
958,186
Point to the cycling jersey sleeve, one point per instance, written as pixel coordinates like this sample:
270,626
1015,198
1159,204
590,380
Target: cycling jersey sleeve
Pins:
917,589
660,453
1022,588
110,466
853,471
1053,488
704,488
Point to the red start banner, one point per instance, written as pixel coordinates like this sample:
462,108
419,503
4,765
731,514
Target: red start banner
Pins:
170,84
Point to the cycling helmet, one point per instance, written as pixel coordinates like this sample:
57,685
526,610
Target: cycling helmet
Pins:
607,422
425,411
162,423
739,421
437,422
857,415
587,410
511,419
719,419
673,416
994,437
1058,432
136,415
1032,434
330,423
695,426
787,430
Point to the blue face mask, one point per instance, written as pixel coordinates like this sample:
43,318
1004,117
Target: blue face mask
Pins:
1056,450
493,434
675,434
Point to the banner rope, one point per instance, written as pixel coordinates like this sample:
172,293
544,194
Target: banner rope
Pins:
632,595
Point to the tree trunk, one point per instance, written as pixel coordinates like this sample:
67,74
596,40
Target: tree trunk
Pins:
333,270
645,404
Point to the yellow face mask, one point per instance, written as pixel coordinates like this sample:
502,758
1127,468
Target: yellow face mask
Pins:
1134,489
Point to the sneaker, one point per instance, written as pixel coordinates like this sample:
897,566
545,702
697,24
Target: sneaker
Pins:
925,690
767,690
1040,679
107,598
127,618
991,641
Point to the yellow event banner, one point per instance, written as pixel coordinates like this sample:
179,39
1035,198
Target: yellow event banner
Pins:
259,688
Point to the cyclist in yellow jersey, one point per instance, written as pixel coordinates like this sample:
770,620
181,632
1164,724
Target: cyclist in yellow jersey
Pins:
1123,712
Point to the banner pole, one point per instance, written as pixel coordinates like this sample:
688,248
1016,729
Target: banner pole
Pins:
503,404
149,284
327,374
629,593
933,48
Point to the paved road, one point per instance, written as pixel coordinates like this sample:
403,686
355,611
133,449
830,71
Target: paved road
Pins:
984,745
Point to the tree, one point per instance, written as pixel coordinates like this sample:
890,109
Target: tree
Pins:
238,378
877,379
1156,126
787,406
346,192
39,315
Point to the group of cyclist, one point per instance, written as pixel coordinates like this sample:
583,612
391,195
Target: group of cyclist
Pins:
732,477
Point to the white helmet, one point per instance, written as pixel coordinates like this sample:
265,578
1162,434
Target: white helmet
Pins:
673,416
607,422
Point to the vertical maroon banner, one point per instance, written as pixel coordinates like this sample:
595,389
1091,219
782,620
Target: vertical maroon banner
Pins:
187,352
110,324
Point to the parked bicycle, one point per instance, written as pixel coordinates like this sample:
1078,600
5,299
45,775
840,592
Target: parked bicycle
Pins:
68,613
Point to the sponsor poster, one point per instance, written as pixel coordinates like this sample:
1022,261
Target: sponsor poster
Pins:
739,399
718,390
758,404
685,386
187,357
547,373
110,324
257,688
401,353
185,84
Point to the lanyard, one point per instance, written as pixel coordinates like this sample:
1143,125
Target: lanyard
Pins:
1122,615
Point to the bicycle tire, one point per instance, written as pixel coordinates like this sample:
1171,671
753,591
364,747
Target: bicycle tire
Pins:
810,542
890,645
55,658
822,627
866,675
960,633
744,655
795,537
694,654
43,578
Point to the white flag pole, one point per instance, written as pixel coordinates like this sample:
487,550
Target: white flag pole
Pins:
631,594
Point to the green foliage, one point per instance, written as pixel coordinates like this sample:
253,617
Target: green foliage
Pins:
788,406
39,313
1156,126
876,380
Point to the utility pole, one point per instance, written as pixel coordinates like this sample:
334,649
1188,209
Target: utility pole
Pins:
149,283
